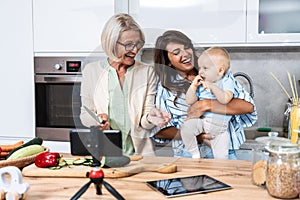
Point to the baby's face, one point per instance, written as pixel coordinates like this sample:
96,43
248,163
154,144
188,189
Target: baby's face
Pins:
209,68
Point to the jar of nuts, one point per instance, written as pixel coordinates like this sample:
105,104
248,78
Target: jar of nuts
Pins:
283,171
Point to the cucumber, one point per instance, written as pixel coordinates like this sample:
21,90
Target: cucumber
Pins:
87,163
55,168
62,164
26,151
69,161
79,162
119,161
35,140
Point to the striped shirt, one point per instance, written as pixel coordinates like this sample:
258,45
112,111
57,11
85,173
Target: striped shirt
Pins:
165,102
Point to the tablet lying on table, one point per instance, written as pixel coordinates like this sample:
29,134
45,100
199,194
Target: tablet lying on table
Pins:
187,185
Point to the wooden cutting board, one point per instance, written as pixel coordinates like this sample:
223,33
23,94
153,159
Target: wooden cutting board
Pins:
132,168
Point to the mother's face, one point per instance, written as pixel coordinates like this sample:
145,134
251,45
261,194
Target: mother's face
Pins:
181,58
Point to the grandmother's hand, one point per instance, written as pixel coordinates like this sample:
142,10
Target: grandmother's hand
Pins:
104,125
158,117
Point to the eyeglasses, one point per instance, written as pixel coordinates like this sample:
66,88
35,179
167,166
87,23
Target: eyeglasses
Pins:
130,46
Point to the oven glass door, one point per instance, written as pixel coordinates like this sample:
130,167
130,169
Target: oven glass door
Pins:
58,105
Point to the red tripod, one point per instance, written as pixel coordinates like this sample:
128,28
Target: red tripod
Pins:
96,176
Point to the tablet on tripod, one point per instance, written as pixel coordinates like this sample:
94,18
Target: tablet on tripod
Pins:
96,142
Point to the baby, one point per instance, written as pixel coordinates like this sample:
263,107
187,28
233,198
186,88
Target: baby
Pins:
214,81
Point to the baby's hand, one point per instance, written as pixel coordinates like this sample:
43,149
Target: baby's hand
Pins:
197,81
206,85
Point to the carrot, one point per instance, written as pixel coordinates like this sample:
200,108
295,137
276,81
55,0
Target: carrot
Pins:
4,153
9,147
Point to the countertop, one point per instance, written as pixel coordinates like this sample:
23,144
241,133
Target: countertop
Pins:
236,173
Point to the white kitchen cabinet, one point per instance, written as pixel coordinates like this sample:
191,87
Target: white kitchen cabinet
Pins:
273,22
17,79
70,25
205,22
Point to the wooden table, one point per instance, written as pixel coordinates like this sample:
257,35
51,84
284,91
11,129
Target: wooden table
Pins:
236,173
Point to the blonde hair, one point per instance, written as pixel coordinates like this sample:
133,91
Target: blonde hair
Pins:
112,31
222,55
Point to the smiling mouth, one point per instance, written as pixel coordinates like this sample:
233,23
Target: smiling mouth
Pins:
129,55
187,61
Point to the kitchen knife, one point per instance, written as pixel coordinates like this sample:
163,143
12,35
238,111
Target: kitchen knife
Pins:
93,115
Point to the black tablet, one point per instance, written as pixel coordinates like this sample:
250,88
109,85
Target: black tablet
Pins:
96,142
187,185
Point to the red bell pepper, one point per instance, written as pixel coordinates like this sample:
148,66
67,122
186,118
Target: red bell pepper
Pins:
47,159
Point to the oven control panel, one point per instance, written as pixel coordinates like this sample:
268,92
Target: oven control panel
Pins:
61,65
58,65
73,66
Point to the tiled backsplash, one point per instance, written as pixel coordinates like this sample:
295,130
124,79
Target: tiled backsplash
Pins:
269,98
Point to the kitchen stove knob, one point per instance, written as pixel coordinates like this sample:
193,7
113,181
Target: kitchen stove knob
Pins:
57,66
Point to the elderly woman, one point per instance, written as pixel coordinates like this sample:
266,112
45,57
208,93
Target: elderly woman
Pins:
120,89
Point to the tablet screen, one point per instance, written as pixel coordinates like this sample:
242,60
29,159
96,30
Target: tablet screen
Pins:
187,185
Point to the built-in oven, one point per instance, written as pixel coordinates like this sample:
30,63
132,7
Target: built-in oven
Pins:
57,96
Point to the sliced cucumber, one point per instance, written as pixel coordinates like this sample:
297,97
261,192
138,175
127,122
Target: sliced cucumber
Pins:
79,162
69,161
62,164
55,168
87,163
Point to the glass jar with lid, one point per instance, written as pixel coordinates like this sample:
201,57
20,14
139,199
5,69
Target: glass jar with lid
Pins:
259,166
283,171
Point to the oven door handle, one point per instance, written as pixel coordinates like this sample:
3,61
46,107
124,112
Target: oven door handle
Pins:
58,79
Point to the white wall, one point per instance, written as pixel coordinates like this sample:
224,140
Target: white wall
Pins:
17,80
